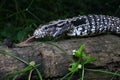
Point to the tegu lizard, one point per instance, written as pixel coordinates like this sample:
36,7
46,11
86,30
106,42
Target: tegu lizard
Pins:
85,25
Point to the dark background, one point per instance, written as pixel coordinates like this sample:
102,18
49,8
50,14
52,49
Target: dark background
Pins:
19,18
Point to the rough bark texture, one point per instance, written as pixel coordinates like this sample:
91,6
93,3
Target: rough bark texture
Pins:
55,62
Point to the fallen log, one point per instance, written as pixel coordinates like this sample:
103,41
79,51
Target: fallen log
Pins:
55,60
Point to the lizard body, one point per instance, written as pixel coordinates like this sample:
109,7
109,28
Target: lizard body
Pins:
85,25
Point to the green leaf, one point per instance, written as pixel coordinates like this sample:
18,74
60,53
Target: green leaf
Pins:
74,67
79,52
21,35
89,59
83,54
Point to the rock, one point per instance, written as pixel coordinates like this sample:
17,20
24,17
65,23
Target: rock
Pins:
54,59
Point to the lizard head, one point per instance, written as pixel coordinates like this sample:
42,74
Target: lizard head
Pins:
53,29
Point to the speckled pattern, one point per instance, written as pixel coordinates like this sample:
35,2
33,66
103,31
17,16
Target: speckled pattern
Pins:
85,25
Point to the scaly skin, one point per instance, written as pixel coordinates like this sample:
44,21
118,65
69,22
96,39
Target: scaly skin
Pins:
85,25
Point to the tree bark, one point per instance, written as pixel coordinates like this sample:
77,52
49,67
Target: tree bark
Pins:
55,60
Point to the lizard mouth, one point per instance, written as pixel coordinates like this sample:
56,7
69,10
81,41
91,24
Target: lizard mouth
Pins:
27,40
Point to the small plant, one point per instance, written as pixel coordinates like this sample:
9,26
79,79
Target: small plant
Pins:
82,60
31,66
79,65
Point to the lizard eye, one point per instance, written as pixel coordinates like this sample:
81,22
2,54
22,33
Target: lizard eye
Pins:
46,27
